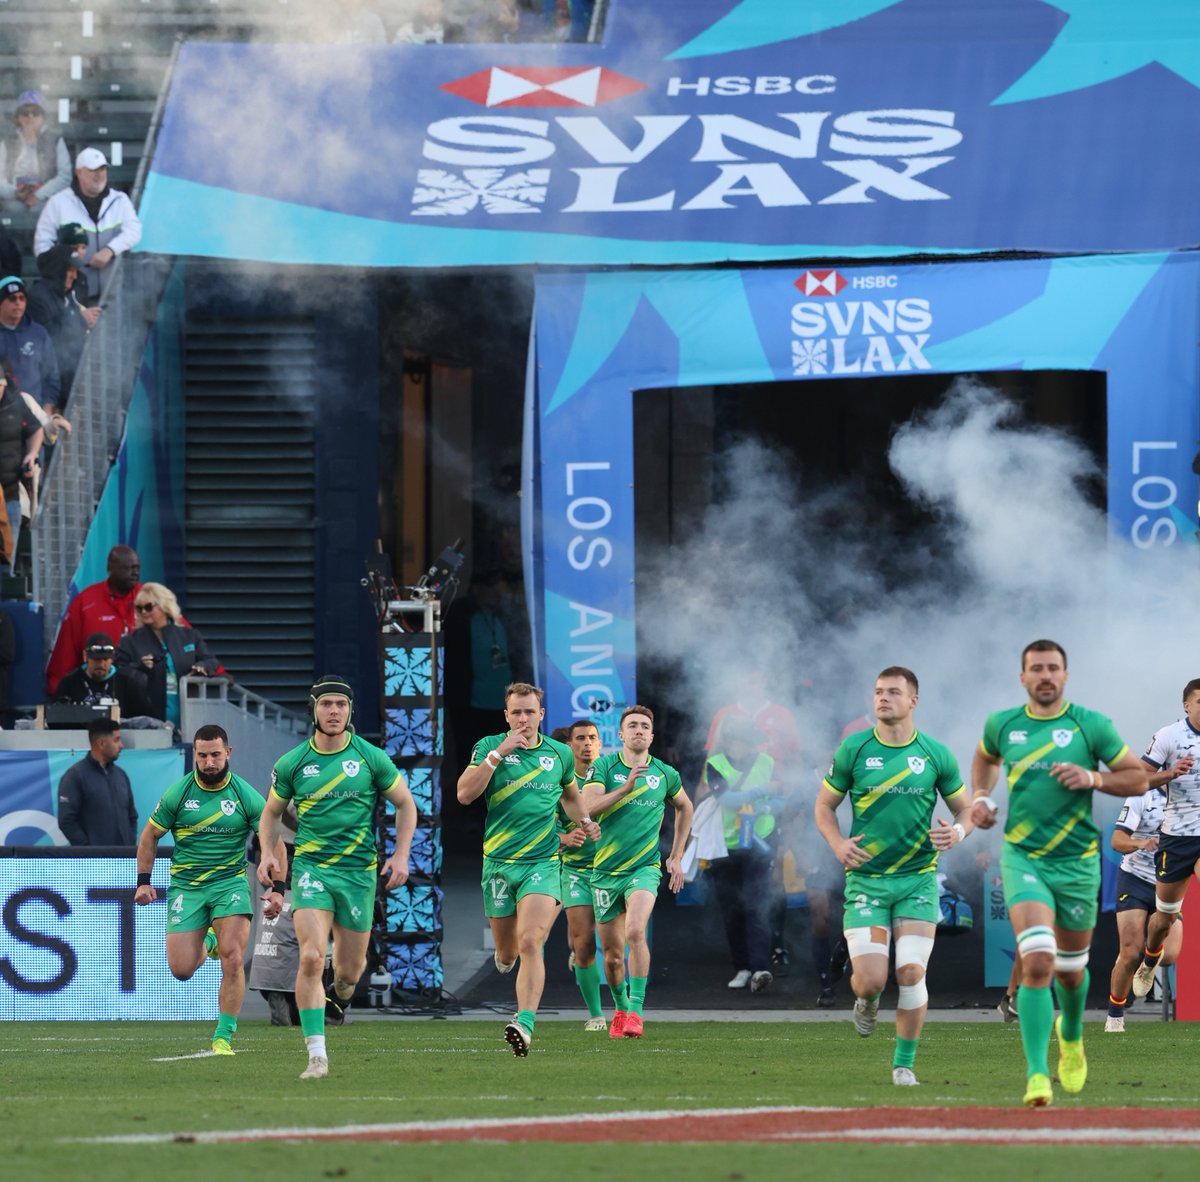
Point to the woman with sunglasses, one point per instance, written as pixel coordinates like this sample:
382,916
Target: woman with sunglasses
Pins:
160,650
34,164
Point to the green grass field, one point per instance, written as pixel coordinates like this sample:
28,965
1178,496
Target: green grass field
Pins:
66,1081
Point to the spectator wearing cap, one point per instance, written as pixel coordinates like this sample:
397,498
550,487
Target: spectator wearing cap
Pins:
21,434
27,346
34,164
105,214
97,681
54,305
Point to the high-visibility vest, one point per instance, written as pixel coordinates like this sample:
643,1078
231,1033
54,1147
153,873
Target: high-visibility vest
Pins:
758,777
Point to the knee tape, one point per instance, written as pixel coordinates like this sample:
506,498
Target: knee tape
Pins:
912,997
1071,962
859,942
1168,908
1036,940
913,950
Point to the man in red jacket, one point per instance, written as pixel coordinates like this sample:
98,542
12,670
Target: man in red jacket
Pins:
102,607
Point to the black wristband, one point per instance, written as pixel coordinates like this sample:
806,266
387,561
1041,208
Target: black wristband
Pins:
278,887
143,879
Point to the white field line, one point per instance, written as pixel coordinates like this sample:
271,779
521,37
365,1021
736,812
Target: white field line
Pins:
1048,1136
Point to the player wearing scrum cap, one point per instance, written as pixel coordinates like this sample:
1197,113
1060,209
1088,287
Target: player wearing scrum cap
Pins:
335,779
1051,859
893,775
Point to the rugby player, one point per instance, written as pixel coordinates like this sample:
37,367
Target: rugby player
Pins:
893,775
1172,755
627,792
522,776
1051,859
212,813
335,779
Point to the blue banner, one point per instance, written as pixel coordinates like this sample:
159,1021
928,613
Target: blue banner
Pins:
699,130
600,338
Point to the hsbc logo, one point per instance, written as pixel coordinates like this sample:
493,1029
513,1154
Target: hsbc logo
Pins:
820,283
543,86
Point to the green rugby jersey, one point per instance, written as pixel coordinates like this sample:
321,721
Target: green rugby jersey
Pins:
1046,820
580,857
893,791
211,827
335,797
629,828
522,798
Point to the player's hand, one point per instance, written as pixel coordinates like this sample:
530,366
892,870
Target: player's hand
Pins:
591,829
395,871
144,895
272,904
268,872
675,875
1073,777
511,742
1182,766
1150,844
982,817
942,834
573,839
850,854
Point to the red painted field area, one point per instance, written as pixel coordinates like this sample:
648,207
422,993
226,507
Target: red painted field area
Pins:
1001,1126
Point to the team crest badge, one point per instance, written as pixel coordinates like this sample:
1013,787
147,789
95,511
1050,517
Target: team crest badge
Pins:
350,767
916,764
547,762
1062,738
653,782
229,807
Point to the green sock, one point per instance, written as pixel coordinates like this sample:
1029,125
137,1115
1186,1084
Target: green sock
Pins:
210,942
1071,1002
620,996
226,1025
527,1019
312,1021
588,981
906,1051
1035,1011
637,994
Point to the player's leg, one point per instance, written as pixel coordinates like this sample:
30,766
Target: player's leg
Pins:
500,884
914,944
313,925
350,946
1174,944
233,932
820,942
1007,1009
188,917
581,933
1033,926
869,946
535,913
1132,918
354,894
1070,987
1169,892
186,952
639,906
610,927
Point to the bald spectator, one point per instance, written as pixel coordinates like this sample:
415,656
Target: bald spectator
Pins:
103,607
97,682
106,215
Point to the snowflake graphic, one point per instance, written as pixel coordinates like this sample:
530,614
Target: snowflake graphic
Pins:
415,909
416,967
406,672
810,357
441,193
408,732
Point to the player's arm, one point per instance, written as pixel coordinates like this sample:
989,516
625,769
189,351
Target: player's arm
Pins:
597,798
395,869
1124,842
683,830
472,784
945,834
1126,776
846,849
270,835
985,771
1164,775
578,809
147,851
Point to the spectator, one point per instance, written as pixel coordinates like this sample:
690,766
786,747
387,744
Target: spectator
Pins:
34,164
8,655
101,607
426,24
95,800
97,682
160,650
28,346
53,305
506,21
106,215
21,435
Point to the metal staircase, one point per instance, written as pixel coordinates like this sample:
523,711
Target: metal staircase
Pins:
249,499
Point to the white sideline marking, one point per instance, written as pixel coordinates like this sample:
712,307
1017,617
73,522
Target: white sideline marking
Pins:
178,1058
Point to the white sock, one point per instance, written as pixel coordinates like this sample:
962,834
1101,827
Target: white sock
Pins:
316,1046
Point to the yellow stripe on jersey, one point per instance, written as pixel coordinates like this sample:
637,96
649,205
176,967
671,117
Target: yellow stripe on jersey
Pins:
827,784
495,841
358,841
631,795
196,826
919,846
236,864
1019,768
545,833
865,801
632,861
508,789
304,805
